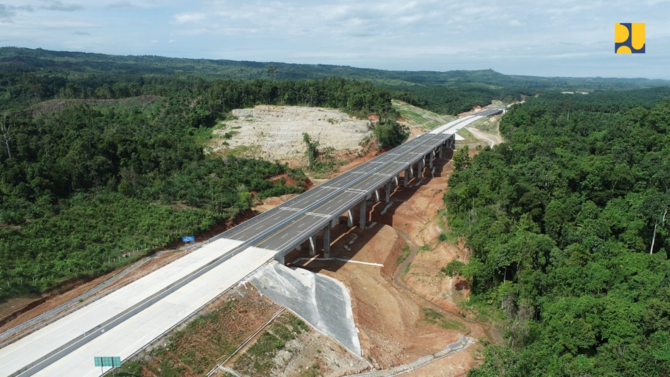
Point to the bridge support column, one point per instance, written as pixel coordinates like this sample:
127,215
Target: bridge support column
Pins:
335,222
441,151
411,171
395,179
312,246
326,241
362,215
419,173
350,218
280,259
406,177
430,158
376,195
388,192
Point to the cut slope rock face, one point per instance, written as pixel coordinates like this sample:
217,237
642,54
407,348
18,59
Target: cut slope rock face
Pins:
275,132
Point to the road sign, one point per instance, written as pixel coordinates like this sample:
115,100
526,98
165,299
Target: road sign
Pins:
188,239
107,361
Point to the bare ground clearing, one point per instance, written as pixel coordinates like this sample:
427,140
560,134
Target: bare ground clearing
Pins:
275,132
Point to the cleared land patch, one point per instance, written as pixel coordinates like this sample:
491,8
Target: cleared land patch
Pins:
276,132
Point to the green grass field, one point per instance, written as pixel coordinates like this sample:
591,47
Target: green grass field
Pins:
418,117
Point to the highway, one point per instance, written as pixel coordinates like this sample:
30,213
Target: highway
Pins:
125,321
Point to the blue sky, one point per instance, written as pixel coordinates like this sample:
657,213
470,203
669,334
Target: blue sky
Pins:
542,38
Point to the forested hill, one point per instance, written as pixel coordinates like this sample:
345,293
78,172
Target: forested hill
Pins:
23,58
97,170
569,228
448,92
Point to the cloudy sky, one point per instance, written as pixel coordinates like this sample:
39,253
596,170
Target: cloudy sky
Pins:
544,38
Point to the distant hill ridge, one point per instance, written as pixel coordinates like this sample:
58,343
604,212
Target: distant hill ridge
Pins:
25,58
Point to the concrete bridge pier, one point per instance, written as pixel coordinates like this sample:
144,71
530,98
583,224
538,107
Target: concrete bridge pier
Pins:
326,241
431,157
406,177
335,222
441,151
388,192
312,246
396,181
281,259
350,218
362,215
419,173
376,195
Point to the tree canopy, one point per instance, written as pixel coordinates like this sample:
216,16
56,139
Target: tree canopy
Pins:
98,169
561,220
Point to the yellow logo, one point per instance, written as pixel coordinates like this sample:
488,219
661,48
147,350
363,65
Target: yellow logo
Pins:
629,38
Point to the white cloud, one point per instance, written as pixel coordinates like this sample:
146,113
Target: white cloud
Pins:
183,18
58,5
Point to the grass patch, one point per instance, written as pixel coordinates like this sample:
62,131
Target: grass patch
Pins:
431,315
449,237
405,253
258,360
418,117
468,136
487,126
130,368
229,135
313,371
405,271
196,348
203,135
482,310
244,151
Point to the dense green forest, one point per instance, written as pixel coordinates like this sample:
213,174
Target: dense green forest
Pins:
94,166
569,230
449,92
157,65
101,162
